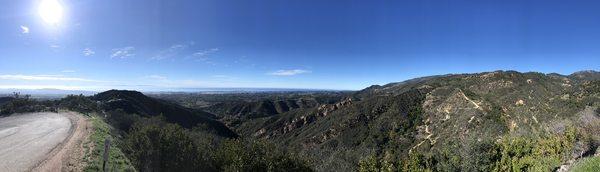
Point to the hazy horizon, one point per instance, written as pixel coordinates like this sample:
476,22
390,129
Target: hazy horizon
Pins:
42,90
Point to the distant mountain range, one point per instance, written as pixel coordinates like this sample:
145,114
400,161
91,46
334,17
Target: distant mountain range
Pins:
44,93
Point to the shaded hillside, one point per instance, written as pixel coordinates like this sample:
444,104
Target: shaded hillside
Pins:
237,108
454,115
133,102
260,108
202,100
4,100
589,75
235,113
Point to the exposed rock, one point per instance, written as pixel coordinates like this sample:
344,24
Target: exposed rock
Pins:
260,132
520,102
325,109
563,168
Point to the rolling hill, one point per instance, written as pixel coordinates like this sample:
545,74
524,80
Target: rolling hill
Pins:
133,102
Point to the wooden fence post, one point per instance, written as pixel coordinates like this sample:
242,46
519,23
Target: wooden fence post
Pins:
106,150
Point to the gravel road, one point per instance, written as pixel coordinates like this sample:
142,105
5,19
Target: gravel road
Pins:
26,139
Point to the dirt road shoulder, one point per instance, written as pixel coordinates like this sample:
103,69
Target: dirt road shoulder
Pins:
69,155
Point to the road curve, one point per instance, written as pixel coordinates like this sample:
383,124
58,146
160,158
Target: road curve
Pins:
26,139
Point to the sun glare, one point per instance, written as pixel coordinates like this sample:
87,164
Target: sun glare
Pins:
51,11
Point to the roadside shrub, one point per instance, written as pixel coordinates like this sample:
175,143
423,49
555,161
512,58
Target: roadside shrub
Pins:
155,145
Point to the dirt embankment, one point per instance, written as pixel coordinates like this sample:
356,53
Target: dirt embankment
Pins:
68,156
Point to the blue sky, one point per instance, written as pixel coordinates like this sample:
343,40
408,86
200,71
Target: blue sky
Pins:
175,44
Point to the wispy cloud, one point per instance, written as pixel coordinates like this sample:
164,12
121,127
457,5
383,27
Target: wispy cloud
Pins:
172,51
204,56
24,29
203,53
224,78
156,77
67,71
288,72
88,52
123,53
54,46
45,78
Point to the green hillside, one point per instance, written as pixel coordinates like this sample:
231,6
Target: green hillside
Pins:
465,122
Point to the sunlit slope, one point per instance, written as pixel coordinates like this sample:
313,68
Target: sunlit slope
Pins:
452,113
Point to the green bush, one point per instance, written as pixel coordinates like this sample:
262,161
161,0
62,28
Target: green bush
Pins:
586,164
543,153
24,104
155,145
240,155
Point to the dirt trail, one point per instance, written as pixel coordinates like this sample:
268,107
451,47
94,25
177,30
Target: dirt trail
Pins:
68,156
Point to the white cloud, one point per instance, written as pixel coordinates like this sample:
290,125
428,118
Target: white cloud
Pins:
172,51
203,56
289,72
122,53
54,46
226,78
45,78
88,52
169,52
203,53
24,29
220,76
156,77
68,71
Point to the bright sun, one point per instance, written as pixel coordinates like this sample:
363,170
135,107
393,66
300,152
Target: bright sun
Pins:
51,11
